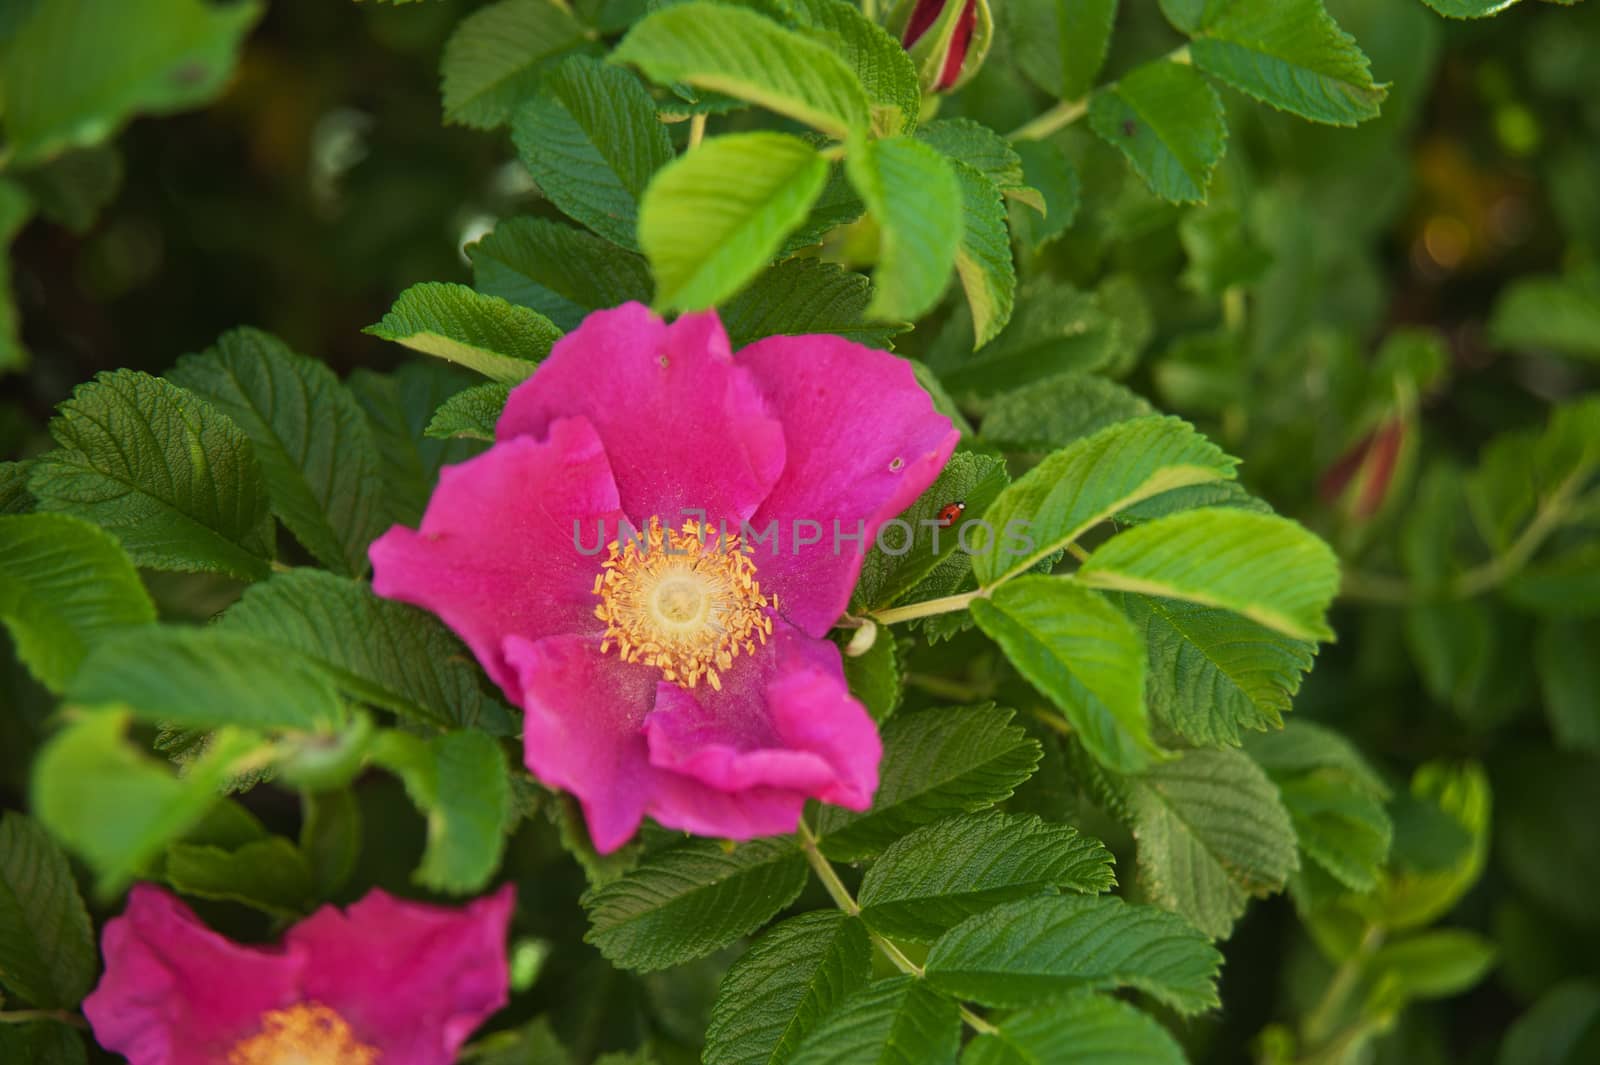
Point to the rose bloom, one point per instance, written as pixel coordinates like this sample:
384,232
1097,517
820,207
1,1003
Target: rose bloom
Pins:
385,982
596,561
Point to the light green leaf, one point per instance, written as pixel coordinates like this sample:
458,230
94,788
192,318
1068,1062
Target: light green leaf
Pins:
738,52
460,783
938,876
47,951
1060,44
1168,122
72,74
379,651
1265,567
884,69
1212,832
1036,949
983,258
1058,411
64,586
1079,650
500,340
935,763
1083,1027
963,140
313,442
1558,314
592,141
784,985
685,902
494,59
915,197
897,1021
713,218
1470,8
470,414
117,808
1213,674
1287,53
562,272
270,875
162,470
204,678
1088,482
799,296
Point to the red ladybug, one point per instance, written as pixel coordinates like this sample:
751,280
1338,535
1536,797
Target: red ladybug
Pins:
949,513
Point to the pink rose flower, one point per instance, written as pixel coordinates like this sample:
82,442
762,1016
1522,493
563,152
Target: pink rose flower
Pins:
385,982
681,673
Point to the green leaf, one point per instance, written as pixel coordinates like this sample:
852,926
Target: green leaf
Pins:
1079,650
42,1043
1083,1027
162,470
313,442
1060,44
379,651
738,52
330,838
874,677
1036,949
1058,411
938,876
71,75
500,340
561,272
897,1021
714,218
117,808
1213,674
784,986
1562,1028
1088,482
963,140
983,258
204,678
1212,832
1054,329
1168,122
64,586
1423,884
269,875
1567,583
1286,53
494,59
891,571
470,414
685,902
14,495
73,188
1437,963
935,763
47,950
800,296
592,141
914,195
1046,168
398,406
885,71
16,207
460,783
1265,567
1569,677
1469,8
1222,253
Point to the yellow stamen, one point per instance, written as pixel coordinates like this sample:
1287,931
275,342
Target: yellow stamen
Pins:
686,602
307,1034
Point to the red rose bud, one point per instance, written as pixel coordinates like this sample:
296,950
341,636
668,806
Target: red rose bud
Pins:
1363,475
947,39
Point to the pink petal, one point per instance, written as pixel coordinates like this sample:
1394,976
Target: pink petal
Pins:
584,733
176,993
862,442
498,553
784,719
411,979
684,426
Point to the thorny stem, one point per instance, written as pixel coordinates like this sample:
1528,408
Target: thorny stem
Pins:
842,898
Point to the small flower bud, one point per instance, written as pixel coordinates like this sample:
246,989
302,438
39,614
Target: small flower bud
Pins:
947,39
1360,480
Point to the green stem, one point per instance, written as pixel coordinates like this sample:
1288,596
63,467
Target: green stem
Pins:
869,8
1056,118
927,608
1319,1021
845,901
1375,588
32,1016
946,688
697,131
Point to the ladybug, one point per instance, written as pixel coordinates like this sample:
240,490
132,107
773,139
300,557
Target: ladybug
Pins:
949,513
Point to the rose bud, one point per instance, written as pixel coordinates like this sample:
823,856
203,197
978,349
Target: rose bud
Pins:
947,39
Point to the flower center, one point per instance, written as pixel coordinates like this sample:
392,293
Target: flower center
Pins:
307,1034
685,601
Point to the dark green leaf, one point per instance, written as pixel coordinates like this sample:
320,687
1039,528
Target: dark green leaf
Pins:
800,296
897,1021
495,57
1083,1027
1169,123
470,414
459,782
47,952
561,272
270,875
